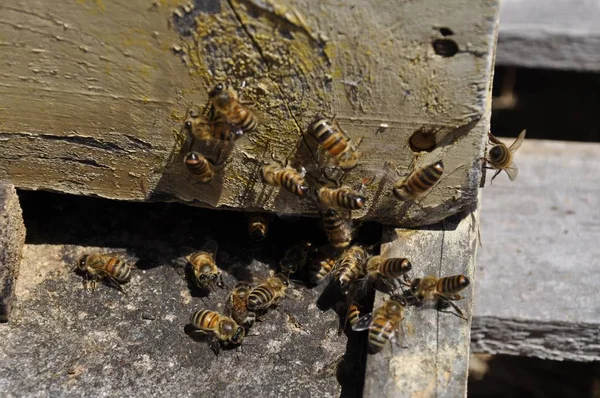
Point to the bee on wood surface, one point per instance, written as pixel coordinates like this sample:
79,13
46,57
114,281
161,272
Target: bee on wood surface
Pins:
201,128
204,268
238,305
268,293
201,167
219,328
344,153
229,109
431,288
104,267
321,265
386,270
350,267
344,198
419,182
384,324
284,176
501,157
337,228
295,258
258,226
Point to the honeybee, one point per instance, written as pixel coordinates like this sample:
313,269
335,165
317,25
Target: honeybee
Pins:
200,166
279,176
352,314
384,324
204,268
344,153
350,266
202,129
258,226
343,197
320,267
238,305
269,293
337,228
228,108
446,288
104,267
419,182
295,258
386,269
218,327
501,158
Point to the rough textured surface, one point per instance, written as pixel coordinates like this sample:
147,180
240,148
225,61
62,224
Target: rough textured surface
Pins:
63,340
112,82
12,238
435,358
555,34
536,292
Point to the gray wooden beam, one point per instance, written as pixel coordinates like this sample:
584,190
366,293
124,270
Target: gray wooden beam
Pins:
537,274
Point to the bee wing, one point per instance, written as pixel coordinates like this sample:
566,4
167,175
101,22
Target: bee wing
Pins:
210,247
363,322
517,144
398,337
493,139
512,171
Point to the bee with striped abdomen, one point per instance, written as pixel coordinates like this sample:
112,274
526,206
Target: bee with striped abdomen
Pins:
258,226
295,258
352,313
237,305
104,267
350,267
419,182
344,153
321,265
228,108
284,176
431,288
204,268
385,270
500,157
202,129
344,198
201,167
337,228
219,328
384,324
268,293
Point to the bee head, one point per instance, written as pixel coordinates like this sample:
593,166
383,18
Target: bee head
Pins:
238,336
283,278
414,286
216,90
80,263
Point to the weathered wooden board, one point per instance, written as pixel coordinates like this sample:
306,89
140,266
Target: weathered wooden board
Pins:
12,239
565,35
537,272
434,359
94,94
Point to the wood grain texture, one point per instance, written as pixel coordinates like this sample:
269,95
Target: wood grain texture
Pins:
12,239
93,95
536,293
434,359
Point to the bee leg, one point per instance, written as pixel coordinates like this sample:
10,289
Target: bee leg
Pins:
495,174
459,313
220,282
215,346
113,282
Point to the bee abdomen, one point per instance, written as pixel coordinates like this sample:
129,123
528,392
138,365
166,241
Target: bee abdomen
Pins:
292,182
452,284
260,298
333,141
379,334
199,166
205,319
118,269
319,269
499,156
349,200
394,267
258,226
426,178
353,314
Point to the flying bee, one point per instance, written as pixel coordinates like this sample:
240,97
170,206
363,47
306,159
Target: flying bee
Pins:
350,267
228,108
386,269
258,226
204,268
419,182
501,158
352,314
200,167
219,328
320,267
446,288
238,305
343,197
337,228
384,324
104,267
284,176
295,258
268,293
344,153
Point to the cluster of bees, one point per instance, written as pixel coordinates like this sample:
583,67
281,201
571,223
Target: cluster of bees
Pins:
354,268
